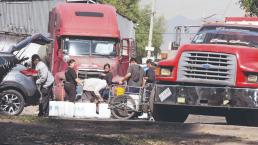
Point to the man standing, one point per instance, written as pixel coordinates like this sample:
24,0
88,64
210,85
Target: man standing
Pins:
134,76
150,73
108,76
149,78
45,83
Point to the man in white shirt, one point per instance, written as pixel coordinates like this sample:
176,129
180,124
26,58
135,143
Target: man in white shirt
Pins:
45,82
94,85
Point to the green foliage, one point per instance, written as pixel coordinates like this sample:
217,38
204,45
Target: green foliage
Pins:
159,29
142,31
130,9
250,6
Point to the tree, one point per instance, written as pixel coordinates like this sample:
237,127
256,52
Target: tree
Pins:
142,31
130,9
250,6
159,29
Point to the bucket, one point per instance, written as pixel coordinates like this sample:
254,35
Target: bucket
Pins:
119,91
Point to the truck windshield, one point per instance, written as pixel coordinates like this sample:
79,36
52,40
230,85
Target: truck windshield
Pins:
90,47
227,35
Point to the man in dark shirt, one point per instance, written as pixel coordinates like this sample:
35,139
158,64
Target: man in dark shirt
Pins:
134,76
150,74
149,83
71,76
108,76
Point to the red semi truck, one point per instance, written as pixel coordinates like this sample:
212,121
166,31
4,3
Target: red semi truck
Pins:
90,34
217,74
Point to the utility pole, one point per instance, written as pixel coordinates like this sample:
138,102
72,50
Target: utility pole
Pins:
149,47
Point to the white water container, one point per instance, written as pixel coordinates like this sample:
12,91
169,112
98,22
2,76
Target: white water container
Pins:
143,116
56,108
68,109
85,110
104,111
136,99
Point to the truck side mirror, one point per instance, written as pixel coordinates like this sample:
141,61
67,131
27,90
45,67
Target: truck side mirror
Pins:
124,50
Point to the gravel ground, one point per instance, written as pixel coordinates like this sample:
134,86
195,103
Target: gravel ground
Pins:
33,110
33,130
198,130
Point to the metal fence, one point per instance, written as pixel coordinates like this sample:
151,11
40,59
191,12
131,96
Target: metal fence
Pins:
29,17
25,17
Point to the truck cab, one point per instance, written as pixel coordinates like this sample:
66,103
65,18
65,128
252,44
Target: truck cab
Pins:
214,75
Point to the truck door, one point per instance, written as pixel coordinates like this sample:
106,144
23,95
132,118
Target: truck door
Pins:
60,67
125,50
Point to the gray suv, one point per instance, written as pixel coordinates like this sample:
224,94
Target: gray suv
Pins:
17,85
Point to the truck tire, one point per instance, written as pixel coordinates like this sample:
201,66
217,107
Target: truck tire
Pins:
242,117
164,113
12,102
123,107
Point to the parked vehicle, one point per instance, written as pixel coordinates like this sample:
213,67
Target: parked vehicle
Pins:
92,38
17,87
214,75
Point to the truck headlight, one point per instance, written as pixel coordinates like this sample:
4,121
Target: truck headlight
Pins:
252,78
157,71
165,72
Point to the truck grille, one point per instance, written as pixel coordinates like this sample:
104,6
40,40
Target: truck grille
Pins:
207,67
83,74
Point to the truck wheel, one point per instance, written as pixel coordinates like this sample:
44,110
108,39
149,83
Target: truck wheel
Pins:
164,113
12,102
242,117
123,107
235,119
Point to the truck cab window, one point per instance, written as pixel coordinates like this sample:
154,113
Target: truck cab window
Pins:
78,47
228,36
103,48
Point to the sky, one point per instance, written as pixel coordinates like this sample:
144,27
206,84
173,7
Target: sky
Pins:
191,12
195,9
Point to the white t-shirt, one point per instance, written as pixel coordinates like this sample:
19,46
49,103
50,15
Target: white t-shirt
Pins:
94,84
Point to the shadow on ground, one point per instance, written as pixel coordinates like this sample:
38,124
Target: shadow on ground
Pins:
59,131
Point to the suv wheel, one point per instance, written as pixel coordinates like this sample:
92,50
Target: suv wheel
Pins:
11,102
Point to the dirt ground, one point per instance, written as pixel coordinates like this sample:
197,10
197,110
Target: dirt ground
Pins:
199,130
